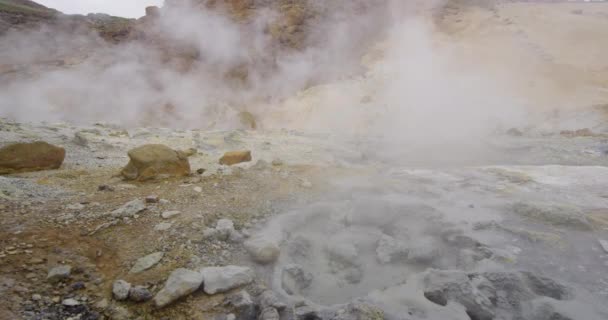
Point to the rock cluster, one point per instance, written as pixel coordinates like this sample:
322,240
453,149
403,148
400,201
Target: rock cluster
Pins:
183,282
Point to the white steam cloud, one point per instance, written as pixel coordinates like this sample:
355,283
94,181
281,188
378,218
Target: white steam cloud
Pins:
414,92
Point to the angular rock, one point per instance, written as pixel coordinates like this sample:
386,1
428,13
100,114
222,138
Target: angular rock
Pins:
120,290
262,250
155,161
147,262
129,209
181,282
139,294
59,273
235,157
222,279
36,156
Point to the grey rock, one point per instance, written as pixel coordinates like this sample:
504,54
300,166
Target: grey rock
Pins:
120,290
444,286
140,294
269,299
59,273
129,209
262,250
269,313
294,279
222,279
224,228
180,283
243,305
147,262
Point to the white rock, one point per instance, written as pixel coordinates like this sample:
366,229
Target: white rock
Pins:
70,302
120,290
147,262
181,282
198,189
169,214
263,250
222,279
163,226
129,209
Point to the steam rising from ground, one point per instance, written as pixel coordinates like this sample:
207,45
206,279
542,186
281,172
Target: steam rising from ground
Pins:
412,93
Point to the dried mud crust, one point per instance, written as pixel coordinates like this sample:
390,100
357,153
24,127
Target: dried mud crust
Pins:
44,234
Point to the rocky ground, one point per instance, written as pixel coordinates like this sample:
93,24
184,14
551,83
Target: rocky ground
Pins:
331,230
367,211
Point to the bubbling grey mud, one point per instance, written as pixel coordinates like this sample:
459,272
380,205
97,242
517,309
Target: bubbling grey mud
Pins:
429,244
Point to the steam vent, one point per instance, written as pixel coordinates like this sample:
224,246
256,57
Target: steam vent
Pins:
303,160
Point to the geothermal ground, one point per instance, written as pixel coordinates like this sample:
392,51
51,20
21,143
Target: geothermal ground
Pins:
339,224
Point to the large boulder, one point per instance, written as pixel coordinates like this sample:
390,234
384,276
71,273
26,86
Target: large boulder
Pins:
35,156
154,161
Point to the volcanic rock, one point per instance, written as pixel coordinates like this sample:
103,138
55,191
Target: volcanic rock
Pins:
36,156
155,161
235,157
181,282
222,279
